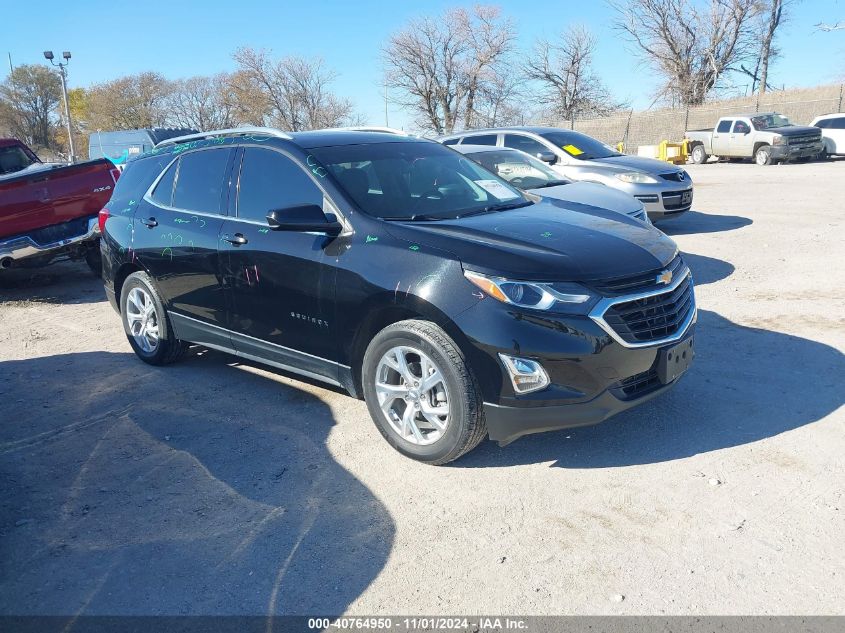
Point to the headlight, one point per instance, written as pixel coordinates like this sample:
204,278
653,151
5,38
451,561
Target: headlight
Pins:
637,178
564,297
779,140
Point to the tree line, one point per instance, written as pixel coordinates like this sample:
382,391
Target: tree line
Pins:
460,69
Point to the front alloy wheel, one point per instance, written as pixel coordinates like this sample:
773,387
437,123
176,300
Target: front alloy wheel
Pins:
412,395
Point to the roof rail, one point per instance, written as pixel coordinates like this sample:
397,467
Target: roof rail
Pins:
238,131
373,128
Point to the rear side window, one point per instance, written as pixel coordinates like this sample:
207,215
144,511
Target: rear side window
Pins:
836,124
724,126
163,193
138,176
451,141
525,144
481,139
199,185
269,181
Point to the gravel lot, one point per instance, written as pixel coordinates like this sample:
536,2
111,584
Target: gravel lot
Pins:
217,487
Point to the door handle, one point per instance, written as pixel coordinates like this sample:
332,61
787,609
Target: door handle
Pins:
150,222
236,240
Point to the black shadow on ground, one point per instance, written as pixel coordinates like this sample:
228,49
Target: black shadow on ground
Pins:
63,282
200,488
699,222
707,270
746,384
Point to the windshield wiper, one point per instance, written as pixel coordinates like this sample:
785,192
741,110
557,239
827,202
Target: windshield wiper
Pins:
503,206
421,217
552,183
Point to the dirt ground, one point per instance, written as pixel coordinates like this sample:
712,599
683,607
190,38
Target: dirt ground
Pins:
217,487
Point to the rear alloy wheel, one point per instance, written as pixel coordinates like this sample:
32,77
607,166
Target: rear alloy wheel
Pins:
421,393
146,322
699,156
763,155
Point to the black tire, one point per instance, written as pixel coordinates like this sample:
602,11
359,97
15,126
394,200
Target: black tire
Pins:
699,155
466,426
168,348
94,259
763,155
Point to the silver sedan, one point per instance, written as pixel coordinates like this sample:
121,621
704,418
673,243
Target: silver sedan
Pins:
664,189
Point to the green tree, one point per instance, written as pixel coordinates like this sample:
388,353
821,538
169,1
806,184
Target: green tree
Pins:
29,98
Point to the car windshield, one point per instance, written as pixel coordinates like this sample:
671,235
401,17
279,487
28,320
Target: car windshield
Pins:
519,169
414,180
579,145
769,121
13,159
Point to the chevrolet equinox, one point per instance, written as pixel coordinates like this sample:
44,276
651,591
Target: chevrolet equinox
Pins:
455,305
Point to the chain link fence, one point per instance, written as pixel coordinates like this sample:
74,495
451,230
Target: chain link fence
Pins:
652,126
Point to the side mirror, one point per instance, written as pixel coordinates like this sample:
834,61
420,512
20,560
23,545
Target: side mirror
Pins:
547,157
305,218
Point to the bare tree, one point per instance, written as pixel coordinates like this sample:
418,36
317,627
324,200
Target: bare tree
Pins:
127,103
445,69
203,103
770,15
29,97
691,47
564,69
291,93
838,26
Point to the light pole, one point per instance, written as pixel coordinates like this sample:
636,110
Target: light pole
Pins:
63,74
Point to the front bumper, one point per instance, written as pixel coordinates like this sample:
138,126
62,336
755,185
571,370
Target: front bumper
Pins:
789,152
662,200
24,246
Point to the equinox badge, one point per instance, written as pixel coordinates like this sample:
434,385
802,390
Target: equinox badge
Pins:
664,277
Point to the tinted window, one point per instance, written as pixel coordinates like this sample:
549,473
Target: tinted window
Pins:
824,123
13,159
525,144
837,124
139,175
724,126
269,181
451,141
741,127
199,186
414,180
163,193
482,139
579,145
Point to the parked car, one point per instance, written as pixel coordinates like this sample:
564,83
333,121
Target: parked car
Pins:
833,133
767,138
49,211
119,146
665,190
455,305
534,176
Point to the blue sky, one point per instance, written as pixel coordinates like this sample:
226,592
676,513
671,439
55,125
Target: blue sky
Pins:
184,38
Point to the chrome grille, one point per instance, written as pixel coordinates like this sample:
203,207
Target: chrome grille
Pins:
652,318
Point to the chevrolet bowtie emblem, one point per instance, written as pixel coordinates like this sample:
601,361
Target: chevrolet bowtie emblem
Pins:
664,277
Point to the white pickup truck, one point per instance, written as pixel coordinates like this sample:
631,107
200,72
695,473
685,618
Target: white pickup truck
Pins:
766,137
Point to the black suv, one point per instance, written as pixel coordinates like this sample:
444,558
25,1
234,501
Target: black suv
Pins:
396,268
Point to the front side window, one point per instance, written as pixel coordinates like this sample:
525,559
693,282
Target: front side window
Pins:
769,121
520,170
414,181
724,125
270,181
525,144
199,181
741,127
579,146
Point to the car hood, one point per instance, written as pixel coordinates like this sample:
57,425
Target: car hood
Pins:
795,130
593,194
650,166
551,240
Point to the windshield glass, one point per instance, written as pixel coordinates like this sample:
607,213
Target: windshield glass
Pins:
579,145
519,169
414,181
13,159
768,121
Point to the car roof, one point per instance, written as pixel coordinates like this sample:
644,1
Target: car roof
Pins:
530,129
329,138
465,149
828,116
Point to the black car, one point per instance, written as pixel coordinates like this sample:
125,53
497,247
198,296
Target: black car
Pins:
396,268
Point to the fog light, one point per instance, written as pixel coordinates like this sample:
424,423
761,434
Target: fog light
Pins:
526,375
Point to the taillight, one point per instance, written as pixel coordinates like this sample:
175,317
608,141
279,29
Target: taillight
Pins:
102,217
115,174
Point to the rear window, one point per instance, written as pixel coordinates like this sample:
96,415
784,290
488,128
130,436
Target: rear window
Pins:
199,183
139,175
